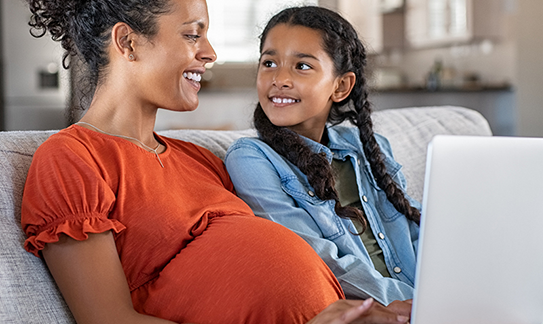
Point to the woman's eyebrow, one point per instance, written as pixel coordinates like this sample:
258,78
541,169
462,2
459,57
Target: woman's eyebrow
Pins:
198,22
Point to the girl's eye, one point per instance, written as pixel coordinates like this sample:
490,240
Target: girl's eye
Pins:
303,66
269,64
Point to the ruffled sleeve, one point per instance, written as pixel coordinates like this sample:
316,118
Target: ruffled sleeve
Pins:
77,228
67,191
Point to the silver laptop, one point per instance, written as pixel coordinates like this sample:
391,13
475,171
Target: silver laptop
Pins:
481,243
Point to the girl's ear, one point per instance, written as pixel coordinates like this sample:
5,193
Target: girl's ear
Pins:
345,84
122,40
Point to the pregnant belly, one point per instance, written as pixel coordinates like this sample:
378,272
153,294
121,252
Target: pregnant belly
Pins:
241,269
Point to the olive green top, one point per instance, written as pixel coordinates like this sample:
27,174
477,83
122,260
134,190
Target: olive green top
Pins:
348,196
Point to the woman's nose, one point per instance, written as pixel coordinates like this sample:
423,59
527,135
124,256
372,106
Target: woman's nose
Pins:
207,53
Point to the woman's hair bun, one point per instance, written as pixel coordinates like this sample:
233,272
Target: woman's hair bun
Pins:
54,17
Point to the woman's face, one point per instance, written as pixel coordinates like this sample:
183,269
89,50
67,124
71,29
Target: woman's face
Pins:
296,79
171,62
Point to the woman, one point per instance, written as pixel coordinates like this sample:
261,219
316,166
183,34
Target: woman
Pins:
140,228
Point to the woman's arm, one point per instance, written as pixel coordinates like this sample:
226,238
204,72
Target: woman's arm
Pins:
92,281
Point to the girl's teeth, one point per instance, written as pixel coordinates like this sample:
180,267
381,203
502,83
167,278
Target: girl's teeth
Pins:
193,76
284,100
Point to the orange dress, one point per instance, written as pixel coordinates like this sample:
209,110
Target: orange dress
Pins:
191,250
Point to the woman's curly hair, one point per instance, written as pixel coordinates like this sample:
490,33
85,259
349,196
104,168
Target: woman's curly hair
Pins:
340,40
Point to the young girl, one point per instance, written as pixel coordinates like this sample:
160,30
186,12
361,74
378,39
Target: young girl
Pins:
141,228
337,187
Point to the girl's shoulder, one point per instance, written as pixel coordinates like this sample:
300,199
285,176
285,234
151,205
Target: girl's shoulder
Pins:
254,147
351,134
249,143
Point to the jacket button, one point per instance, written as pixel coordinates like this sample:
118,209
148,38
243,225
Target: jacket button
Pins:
311,193
397,269
365,198
358,162
323,154
381,236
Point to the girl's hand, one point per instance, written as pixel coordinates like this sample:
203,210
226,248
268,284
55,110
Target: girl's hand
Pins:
357,311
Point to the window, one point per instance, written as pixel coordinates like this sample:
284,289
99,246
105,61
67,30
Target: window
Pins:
236,25
447,18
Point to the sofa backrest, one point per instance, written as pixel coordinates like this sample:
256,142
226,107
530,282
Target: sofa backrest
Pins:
28,293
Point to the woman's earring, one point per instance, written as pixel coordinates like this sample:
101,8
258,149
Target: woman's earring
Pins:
131,57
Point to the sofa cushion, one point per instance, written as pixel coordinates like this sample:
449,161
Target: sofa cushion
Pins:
28,294
409,131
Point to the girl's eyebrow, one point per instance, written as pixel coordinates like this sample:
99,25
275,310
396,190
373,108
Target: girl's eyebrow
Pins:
305,55
297,54
268,52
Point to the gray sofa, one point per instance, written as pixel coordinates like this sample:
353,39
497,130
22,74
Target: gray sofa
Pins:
28,293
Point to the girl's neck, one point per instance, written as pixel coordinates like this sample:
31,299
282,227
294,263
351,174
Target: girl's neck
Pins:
315,133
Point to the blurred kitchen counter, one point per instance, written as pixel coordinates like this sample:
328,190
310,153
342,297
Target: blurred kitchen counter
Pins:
495,102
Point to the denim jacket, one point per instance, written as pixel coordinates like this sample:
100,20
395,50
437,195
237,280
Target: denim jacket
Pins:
277,190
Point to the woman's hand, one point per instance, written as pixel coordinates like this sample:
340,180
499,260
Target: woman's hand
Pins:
358,311
401,307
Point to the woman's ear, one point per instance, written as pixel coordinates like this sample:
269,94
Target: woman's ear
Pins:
122,39
345,84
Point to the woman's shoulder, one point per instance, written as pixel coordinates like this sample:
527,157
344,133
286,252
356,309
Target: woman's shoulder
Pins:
186,148
69,141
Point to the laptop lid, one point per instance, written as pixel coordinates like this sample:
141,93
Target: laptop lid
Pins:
481,242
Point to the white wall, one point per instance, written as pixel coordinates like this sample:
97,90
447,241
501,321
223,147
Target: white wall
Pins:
26,105
530,67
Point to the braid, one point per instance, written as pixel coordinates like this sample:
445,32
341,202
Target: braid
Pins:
375,157
315,166
340,40
362,119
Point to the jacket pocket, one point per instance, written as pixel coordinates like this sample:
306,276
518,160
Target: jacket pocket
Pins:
385,208
321,212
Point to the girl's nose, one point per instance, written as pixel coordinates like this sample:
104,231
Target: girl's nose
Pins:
282,79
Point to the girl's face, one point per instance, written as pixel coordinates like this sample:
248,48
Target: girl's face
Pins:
296,80
172,61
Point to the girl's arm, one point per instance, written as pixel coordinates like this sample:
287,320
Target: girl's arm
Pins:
259,184
92,281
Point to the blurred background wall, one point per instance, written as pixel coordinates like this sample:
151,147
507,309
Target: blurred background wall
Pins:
481,54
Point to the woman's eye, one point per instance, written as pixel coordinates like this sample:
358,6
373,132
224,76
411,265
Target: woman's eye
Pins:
269,64
192,37
303,66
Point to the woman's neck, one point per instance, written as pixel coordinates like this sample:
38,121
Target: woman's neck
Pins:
120,115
